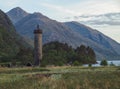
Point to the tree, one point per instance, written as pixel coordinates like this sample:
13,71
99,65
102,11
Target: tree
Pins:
104,63
55,53
76,63
85,54
91,55
25,55
81,50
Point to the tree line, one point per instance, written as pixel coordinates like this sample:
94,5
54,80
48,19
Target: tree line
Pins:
56,53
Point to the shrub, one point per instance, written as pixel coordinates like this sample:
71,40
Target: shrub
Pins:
76,63
90,65
104,63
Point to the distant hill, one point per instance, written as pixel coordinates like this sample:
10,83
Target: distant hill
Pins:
10,41
72,33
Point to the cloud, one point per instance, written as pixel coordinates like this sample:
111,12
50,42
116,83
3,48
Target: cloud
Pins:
6,5
96,22
103,19
11,2
60,9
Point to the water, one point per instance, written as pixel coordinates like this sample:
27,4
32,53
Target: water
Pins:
115,62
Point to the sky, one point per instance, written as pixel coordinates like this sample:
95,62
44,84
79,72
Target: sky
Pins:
103,15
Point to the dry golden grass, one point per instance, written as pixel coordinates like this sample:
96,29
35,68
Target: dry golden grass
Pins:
60,78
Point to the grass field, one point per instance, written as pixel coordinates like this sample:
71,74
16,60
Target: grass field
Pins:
60,78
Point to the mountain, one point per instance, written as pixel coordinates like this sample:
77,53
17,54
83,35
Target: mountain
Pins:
10,41
16,14
72,33
53,30
95,36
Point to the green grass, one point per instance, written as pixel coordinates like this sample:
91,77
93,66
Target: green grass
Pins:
60,78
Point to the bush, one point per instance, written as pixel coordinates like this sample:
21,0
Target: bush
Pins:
76,63
104,63
90,65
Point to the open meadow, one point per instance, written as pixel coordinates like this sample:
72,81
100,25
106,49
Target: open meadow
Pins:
60,78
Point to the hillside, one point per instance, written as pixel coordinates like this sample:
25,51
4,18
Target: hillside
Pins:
72,33
94,35
10,41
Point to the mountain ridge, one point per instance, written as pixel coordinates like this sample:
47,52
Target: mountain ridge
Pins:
16,14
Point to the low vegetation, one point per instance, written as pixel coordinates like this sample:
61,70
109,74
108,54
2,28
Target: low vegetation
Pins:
60,78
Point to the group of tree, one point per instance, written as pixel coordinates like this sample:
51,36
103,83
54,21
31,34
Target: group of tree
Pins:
56,53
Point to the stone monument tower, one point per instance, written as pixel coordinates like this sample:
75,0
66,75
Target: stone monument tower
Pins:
37,46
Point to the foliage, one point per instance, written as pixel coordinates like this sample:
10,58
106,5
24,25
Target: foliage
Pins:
76,63
85,54
104,62
56,53
90,65
25,56
8,46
